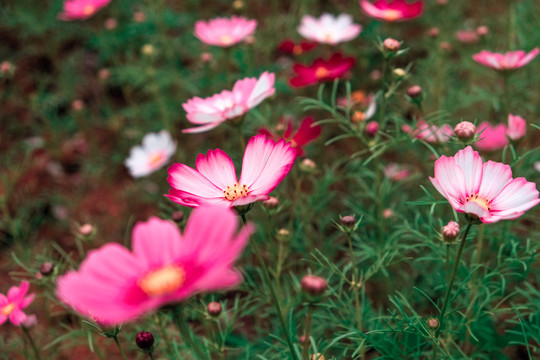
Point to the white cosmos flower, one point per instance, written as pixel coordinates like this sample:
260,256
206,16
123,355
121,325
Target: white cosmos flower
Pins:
155,151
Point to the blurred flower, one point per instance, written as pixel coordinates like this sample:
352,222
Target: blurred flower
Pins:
114,285
485,190
86,229
329,29
399,73
491,137
212,111
537,166
139,16
288,46
30,321
434,32
214,308
388,213
414,91
467,36
321,70
206,57
445,45
510,60
110,24
395,172
390,44
6,69
517,127
81,9
305,134
155,151
46,268
224,32
372,128
214,181
77,105
12,305
430,133
250,39
482,30
104,74
396,10
465,130
271,203
144,340
148,49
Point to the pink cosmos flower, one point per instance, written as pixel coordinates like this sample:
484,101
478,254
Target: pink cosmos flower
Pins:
305,134
491,137
329,29
510,60
114,285
397,10
265,164
430,133
245,95
321,70
81,9
155,151
12,305
224,32
517,127
486,190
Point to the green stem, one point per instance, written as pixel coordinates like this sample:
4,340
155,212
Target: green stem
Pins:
115,337
383,99
273,294
163,331
32,343
182,326
452,278
356,287
307,334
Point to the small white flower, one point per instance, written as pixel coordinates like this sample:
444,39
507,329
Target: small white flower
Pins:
155,151
329,29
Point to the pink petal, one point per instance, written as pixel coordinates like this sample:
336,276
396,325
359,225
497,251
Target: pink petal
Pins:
17,317
517,196
200,129
471,163
183,178
16,294
494,179
217,167
450,179
3,319
156,242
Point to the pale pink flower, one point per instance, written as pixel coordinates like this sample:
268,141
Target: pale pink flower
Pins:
485,190
156,150
517,127
224,32
491,137
396,10
245,95
12,305
265,164
510,60
329,29
114,285
81,9
430,133
396,172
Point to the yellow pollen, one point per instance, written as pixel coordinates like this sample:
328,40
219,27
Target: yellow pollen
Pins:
156,158
392,15
484,203
226,40
236,191
89,9
327,37
297,49
8,309
321,73
162,281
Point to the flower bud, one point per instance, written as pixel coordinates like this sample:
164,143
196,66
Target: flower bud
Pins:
271,203
482,30
348,221
390,44
144,340
388,213
319,356
313,285
434,32
399,73
148,49
206,57
414,91
238,4
177,216
465,131
214,308
283,234
86,229
433,323
46,268
308,165
139,16
111,24
104,74
375,74
451,231
372,128
6,68
30,321
77,105
445,45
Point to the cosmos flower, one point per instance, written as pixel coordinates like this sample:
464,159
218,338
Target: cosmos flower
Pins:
510,60
303,136
212,111
81,9
517,127
329,29
155,151
321,70
485,190
396,172
115,285
288,46
396,10
224,32
491,137
214,180
12,305
430,133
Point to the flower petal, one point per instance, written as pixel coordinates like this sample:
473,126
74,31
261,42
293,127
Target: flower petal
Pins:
217,167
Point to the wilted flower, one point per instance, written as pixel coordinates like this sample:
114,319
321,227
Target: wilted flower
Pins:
321,70
329,29
491,137
224,32
396,10
81,9
510,60
485,190
214,181
12,305
517,127
305,134
115,285
155,151
212,111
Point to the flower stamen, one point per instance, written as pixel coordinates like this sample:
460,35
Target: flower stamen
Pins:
321,73
162,281
235,191
8,309
483,202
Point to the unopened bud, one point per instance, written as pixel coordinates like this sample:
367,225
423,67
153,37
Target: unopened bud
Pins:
144,340
283,234
238,4
46,268
139,16
399,72
177,216
348,221
206,57
388,213
214,308
482,30
434,32
450,231
391,44
86,229
104,74
319,356
445,45
465,130
433,323
372,128
6,67
271,203
375,74
148,49
314,285
250,39
110,24
77,105
307,165
414,91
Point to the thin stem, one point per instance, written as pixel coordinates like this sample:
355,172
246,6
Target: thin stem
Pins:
356,287
452,277
307,334
151,356
115,337
383,99
182,326
163,331
32,343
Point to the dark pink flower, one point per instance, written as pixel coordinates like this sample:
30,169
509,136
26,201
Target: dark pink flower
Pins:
491,137
81,9
304,135
397,10
321,70
288,46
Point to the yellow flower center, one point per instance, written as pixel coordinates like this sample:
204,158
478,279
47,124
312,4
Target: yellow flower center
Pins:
156,159
392,15
321,73
8,309
484,203
235,191
89,10
297,49
162,281
226,40
327,37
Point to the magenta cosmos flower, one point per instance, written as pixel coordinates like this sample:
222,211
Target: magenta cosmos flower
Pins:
245,95
321,70
510,60
329,29
12,305
224,32
114,285
81,9
397,10
486,190
265,164
491,137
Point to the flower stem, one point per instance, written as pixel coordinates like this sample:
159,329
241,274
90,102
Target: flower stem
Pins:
307,334
452,277
273,294
115,337
32,343
180,323
356,287
171,351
